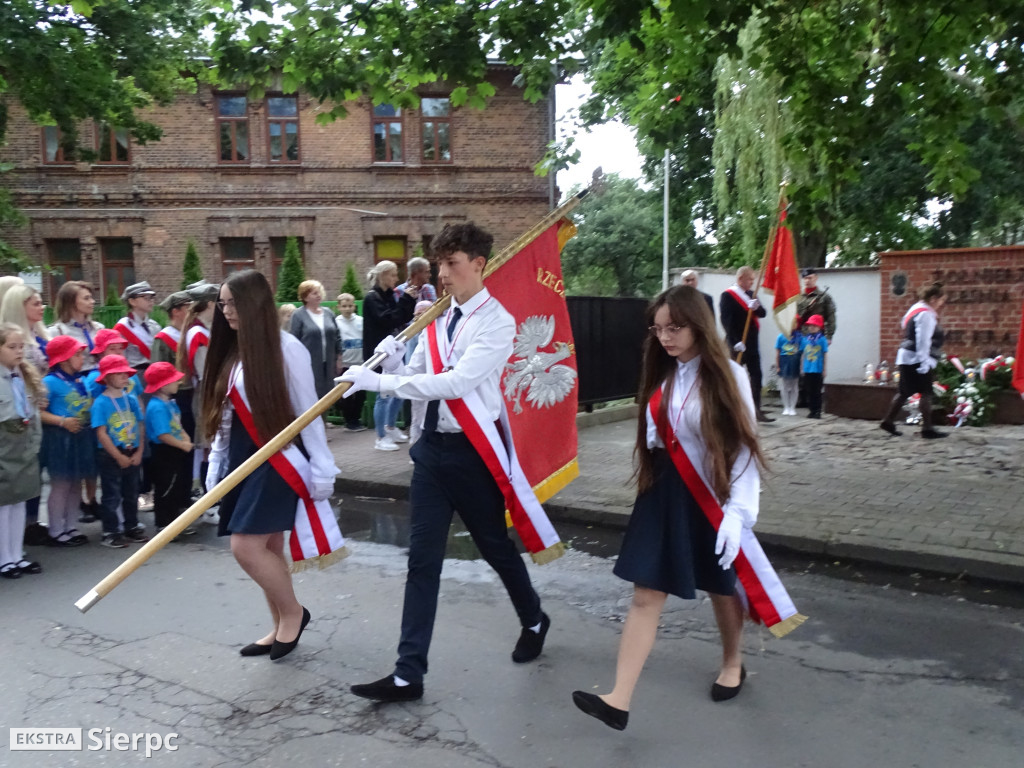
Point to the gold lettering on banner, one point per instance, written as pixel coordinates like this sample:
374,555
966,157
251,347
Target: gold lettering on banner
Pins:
550,280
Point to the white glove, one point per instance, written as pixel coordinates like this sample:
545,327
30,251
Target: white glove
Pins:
361,378
927,365
753,304
728,542
739,346
215,472
395,351
322,489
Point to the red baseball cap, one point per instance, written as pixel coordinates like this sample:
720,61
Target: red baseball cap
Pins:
114,364
817,320
61,348
105,338
160,375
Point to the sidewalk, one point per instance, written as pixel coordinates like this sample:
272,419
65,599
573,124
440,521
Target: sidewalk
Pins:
835,487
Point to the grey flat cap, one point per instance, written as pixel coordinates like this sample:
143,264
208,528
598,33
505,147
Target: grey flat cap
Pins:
176,299
135,290
203,291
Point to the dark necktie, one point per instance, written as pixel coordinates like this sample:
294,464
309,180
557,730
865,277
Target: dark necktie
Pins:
433,407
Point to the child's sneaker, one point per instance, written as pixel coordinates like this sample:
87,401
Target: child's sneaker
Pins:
396,435
136,536
211,516
114,541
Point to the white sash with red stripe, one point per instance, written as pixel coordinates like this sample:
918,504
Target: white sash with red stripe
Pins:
316,538
198,336
742,300
528,516
762,592
142,339
169,336
912,313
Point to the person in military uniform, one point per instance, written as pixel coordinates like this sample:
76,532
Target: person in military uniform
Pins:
815,302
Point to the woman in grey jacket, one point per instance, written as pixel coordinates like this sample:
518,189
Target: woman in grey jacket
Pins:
314,326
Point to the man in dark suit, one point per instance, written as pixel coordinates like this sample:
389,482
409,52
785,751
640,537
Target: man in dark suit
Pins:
689,277
734,305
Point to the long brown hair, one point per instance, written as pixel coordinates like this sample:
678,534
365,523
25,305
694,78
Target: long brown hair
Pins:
257,344
726,423
67,297
34,386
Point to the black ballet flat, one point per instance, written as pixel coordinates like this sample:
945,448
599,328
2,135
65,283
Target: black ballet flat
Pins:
595,706
29,567
279,650
724,692
255,649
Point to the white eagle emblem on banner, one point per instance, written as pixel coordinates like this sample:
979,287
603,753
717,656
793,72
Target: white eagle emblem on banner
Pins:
535,373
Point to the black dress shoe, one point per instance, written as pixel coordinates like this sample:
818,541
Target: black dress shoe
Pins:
279,650
10,571
90,511
724,692
595,706
764,418
30,566
531,643
933,434
386,690
889,427
255,649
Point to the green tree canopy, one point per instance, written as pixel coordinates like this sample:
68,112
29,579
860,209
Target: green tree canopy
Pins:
351,284
292,272
191,268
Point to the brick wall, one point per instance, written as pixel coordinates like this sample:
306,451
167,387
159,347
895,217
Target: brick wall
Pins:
336,198
984,289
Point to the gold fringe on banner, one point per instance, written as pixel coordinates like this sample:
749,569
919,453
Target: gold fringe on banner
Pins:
786,626
556,481
553,552
320,561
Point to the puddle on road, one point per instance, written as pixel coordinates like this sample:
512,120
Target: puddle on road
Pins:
386,521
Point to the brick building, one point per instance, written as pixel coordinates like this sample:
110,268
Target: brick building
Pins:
238,176
984,293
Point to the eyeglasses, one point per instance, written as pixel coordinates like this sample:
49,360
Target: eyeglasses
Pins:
223,304
671,330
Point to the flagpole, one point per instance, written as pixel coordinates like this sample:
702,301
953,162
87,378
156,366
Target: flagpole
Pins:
664,236
289,433
764,260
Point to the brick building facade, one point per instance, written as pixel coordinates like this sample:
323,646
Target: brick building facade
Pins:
238,176
984,294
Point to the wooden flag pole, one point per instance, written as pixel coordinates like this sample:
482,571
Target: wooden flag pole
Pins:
289,433
764,260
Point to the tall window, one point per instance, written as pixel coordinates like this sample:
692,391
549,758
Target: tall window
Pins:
435,117
64,257
53,152
233,129
277,245
112,145
237,253
283,129
117,254
387,134
391,249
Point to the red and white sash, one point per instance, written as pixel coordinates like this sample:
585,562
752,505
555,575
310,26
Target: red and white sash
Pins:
742,301
762,592
198,336
169,336
911,314
142,340
315,538
528,516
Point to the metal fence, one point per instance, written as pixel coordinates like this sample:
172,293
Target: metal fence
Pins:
609,335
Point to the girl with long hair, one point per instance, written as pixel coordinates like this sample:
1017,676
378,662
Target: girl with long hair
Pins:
257,379
695,400
23,306
74,307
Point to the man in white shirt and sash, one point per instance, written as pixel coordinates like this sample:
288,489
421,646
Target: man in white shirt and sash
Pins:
457,368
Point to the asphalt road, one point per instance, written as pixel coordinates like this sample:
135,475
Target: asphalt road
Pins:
879,675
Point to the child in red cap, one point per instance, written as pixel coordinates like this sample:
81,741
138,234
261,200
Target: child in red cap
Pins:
813,348
120,432
67,452
109,342
171,458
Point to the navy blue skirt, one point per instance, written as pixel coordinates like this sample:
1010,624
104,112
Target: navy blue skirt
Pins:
67,456
263,502
669,545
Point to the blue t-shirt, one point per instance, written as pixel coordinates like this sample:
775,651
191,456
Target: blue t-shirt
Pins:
789,355
68,398
121,419
813,349
163,417
96,387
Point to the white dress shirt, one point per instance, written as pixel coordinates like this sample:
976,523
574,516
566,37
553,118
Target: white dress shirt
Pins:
924,328
476,356
745,478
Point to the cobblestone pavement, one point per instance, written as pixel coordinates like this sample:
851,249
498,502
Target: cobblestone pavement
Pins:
835,487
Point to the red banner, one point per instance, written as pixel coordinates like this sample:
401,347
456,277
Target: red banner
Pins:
540,382
781,276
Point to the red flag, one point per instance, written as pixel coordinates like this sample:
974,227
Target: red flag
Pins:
781,276
540,382
1018,366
